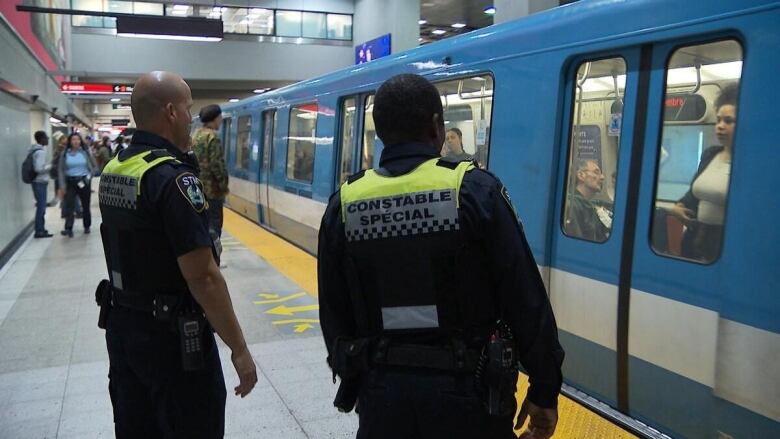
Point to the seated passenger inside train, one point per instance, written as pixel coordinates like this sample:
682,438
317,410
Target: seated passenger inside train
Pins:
584,218
702,209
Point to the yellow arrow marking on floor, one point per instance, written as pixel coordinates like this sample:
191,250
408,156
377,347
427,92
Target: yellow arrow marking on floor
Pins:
303,327
287,322
268,296
288,311
278,299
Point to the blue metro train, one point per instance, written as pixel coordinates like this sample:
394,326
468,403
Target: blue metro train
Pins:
654,335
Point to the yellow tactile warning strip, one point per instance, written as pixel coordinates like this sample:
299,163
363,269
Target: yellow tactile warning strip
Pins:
299,266
574,420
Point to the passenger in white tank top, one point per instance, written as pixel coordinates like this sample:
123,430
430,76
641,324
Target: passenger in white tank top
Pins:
705,203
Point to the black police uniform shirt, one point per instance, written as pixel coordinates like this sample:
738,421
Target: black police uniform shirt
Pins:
487,215
163,191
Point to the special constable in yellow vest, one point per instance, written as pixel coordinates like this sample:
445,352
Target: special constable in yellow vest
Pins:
153,210
418,259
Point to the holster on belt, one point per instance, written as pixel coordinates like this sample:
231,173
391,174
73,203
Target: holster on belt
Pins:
103,299
349,360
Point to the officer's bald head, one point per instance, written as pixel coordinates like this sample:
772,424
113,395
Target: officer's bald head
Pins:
161,104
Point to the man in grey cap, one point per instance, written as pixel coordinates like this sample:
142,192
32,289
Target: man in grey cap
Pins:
211,158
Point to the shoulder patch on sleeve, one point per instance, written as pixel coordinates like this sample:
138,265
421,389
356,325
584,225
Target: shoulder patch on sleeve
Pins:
192,189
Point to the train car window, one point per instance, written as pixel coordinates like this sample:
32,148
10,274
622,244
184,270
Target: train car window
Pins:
347,141
468,105
301,141
369,134
227,125
597,113
243,142
694,155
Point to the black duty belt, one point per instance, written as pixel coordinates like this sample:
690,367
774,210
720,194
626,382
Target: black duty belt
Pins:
425,356
157,305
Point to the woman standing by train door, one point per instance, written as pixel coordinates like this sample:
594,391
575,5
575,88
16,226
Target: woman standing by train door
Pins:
76,168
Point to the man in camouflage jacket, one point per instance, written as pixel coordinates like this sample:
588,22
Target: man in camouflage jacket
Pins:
211,158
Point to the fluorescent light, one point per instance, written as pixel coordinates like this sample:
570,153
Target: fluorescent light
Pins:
233,100
459,25
115,99
421,22
54,120
419,39
260,90
169,37
180,7
490,10
438,32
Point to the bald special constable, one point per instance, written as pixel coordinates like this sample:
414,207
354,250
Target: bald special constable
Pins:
165,292
429,294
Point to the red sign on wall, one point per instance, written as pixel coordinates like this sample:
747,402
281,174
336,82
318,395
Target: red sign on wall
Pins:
86,87
93,88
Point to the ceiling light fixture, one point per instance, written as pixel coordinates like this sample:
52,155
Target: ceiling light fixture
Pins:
490,10
260,90
438,32
459,25
170,28
115,99
422,22
233,100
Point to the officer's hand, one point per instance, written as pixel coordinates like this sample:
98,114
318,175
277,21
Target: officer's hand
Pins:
542,424
246,370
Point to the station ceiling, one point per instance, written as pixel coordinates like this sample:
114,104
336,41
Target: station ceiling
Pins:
443,14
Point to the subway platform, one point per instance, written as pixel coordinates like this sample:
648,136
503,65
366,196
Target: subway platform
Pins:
54,364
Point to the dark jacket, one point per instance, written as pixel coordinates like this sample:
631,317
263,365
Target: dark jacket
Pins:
511,287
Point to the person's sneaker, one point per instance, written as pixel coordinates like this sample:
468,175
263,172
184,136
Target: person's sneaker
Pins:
44,234
68,233
86,230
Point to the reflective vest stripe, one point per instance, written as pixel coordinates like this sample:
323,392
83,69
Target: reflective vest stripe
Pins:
410,317
120,182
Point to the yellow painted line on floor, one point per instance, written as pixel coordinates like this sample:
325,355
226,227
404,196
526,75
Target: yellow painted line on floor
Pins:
299,266
574,420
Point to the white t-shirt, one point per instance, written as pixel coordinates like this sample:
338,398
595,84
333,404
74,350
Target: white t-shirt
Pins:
711,188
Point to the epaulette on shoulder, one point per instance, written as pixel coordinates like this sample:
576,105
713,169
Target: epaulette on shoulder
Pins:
356,176
156,154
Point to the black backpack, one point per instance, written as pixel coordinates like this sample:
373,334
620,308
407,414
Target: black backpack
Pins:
28,168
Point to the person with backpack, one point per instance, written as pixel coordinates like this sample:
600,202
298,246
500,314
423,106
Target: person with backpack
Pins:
38,173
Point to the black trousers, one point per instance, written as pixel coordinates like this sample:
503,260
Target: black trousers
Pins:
72,190
424,405
152,396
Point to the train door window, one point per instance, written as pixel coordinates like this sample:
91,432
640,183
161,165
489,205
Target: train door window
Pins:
596,117
226,127
369,134
301,141
269,125
468,104
694,156
347,141
243,141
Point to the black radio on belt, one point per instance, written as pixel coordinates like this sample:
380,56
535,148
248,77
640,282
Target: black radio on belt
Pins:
191,328
496,371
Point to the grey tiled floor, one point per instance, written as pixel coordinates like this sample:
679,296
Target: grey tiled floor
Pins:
53,361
